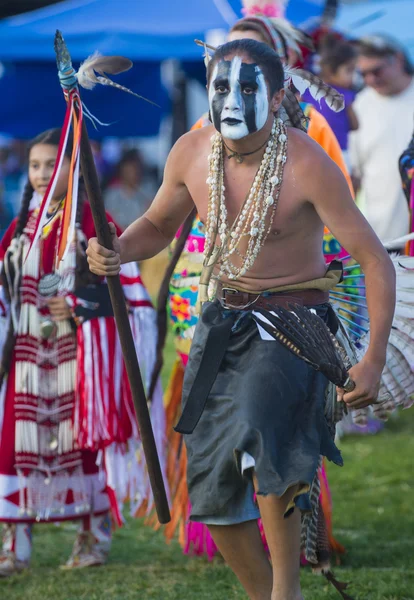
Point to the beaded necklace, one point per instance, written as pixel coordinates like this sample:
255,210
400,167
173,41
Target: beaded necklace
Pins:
251,222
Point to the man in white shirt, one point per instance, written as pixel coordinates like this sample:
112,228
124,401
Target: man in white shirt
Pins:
385,110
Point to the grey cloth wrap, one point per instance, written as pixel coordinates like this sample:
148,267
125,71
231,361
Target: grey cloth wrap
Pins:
260,399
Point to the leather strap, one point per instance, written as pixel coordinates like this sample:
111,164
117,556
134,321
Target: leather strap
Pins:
233,299
217,333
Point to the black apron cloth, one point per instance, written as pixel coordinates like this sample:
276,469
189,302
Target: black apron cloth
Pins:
245,394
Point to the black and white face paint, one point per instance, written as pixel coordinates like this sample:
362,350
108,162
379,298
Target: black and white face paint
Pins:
238,98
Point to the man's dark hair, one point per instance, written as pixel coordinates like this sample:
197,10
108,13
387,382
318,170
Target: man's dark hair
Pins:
383,46
335,53
266,58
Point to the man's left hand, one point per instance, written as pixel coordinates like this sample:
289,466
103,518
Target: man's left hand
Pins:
366,374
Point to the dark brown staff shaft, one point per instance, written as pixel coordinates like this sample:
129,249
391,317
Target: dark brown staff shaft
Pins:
124,330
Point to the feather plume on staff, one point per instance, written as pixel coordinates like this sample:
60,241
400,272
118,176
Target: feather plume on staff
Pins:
96,63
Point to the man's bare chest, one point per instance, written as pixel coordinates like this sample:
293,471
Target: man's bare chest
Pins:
290,212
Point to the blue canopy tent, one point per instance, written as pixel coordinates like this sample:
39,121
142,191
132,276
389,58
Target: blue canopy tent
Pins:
147,33
155,30
32,100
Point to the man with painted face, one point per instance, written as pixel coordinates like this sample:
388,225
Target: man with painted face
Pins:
238,98
253,412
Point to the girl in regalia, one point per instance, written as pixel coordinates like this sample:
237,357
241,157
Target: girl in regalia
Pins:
69,445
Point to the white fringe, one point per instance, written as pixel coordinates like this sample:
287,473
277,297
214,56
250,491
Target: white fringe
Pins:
2,403
65,436
26,437
66,377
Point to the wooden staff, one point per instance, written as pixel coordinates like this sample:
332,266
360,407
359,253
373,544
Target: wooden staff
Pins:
68,81
124,330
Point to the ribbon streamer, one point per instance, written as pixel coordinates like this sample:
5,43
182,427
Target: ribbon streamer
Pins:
75,113
47,198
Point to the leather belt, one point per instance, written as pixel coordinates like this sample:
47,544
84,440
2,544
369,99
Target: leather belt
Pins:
233,299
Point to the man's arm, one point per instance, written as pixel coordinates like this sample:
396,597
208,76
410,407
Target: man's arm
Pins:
330,195
155,230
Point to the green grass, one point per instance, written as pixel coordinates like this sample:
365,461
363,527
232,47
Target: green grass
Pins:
373,517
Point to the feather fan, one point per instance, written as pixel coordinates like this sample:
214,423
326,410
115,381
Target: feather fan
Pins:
401,373
404,344
397,382
405,326
95,68
304,80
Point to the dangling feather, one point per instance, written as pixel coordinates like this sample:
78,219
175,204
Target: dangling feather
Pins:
293,111
96,63
304,80
206,55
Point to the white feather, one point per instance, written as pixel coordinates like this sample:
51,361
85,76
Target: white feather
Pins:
304,80
300,84
97,63
86,75
207,56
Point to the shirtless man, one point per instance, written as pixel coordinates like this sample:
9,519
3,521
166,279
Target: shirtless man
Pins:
255,410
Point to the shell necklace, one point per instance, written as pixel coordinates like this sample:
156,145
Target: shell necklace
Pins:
251,221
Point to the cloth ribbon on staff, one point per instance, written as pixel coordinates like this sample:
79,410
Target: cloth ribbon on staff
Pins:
73,118
91,72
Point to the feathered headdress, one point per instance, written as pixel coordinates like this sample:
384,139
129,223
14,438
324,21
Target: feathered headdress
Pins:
287,39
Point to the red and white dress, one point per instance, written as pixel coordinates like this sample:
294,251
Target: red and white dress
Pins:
69,443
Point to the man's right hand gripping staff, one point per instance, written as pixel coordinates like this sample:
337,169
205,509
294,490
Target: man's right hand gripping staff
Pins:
102,261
